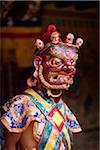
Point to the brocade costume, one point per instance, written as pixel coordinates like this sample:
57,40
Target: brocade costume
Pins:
56,121
55,66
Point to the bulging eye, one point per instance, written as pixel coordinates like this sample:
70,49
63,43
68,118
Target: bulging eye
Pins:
55,62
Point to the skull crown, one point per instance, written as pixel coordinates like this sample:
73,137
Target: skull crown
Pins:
54,37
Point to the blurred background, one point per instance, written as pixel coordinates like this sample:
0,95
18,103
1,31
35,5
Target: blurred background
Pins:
24,21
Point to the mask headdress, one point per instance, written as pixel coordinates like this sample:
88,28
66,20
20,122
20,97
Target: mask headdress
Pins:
50,29
55,63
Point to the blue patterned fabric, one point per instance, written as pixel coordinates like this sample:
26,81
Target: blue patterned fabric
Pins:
24,108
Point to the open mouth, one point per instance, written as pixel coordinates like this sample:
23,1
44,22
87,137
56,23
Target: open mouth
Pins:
51,86
57,78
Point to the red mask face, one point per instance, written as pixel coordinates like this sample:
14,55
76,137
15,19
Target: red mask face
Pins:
55,62
55,68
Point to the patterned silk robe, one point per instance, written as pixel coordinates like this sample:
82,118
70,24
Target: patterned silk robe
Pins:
56,122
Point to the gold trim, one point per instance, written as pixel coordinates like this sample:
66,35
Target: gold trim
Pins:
75,130
39,98
18,130
50,93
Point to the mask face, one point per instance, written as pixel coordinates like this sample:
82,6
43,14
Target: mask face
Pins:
57,67
55,62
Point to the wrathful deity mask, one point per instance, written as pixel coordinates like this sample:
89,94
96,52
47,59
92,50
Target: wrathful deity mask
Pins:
55,62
